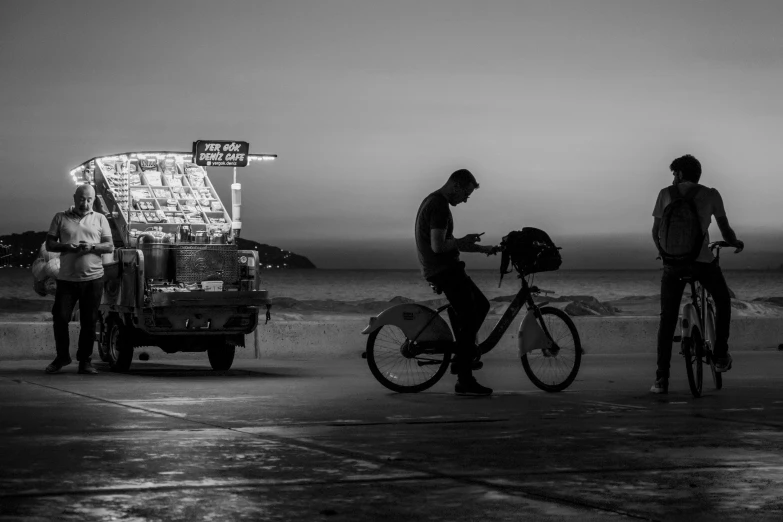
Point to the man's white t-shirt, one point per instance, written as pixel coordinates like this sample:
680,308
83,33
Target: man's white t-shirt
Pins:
708,203
70,227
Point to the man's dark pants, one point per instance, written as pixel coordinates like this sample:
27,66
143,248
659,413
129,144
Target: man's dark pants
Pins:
469,309
711,278
88,294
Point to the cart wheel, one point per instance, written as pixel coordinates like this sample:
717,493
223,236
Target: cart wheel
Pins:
221,354
119,346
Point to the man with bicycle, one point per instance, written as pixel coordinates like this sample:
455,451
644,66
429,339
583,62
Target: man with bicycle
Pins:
701,265
438,252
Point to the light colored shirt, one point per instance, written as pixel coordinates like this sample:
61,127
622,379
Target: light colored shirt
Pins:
708,203
70,227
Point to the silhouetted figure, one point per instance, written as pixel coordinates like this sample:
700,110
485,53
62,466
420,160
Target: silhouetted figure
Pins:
440,265
671,231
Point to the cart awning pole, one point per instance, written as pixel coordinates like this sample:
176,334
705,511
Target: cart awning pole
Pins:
236,205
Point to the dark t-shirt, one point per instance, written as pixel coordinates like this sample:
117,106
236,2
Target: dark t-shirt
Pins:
434,212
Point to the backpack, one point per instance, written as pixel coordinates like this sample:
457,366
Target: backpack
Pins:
529,250
680,234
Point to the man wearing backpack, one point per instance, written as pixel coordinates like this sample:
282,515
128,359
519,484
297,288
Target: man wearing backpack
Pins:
438,252
683,213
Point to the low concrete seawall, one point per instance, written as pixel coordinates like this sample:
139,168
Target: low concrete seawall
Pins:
341,337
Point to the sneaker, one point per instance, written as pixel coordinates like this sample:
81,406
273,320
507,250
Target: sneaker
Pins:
56,365
85,367
723,364
469,386
660,386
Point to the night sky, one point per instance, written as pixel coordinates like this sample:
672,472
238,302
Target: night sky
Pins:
567,112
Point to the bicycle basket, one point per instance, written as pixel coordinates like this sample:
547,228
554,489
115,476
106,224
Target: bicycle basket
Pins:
529,250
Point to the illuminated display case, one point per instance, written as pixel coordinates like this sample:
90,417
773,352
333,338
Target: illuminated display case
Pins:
154,190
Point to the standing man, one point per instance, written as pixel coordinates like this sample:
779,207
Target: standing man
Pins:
81,235
438,252
702,266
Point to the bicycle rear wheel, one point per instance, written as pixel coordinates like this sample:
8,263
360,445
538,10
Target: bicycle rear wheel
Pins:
394,365
554,370
717,377
693,351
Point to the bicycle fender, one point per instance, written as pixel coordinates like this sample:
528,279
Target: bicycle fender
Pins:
411,319
690,318
531,336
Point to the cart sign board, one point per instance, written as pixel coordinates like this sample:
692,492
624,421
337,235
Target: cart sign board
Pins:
216,153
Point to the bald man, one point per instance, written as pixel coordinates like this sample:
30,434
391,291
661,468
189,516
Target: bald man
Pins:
81,235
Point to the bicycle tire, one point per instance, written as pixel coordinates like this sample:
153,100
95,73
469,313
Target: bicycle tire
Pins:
693,352
398,372
537,362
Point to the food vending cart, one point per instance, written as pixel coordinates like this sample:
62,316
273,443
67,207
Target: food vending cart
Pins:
176,279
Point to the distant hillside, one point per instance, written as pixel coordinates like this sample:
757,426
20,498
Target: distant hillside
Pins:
273,257
22,249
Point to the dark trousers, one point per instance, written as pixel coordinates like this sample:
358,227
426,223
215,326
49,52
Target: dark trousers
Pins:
711,278
469,308
88,294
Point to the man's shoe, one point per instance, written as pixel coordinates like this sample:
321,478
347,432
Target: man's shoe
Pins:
660,386
723,364
56,365
469,386
85,367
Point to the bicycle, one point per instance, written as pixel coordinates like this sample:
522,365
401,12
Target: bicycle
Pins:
698,331
410,345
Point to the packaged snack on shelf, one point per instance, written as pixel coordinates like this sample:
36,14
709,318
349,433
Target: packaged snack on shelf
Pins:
219,220
189,209
134,179
167,166
196,180
196,219
191,168
204,203
190,202
173,180
137,217
140,193
148,164
215,206
153,177
161,193
205,193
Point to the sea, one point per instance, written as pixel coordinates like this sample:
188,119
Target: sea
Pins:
604,285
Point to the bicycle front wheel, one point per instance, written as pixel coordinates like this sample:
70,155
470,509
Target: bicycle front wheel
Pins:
393,363
693,351
553,370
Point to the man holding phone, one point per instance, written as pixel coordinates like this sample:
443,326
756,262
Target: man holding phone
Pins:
81,235
438,252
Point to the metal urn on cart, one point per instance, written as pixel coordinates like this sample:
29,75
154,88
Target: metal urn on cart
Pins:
176,279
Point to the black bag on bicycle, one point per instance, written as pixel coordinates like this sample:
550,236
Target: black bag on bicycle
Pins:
529,250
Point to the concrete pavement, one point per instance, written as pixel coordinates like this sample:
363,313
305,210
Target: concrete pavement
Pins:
322,440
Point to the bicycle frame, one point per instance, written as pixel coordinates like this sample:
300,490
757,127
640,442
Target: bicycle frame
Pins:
426,330
700,312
